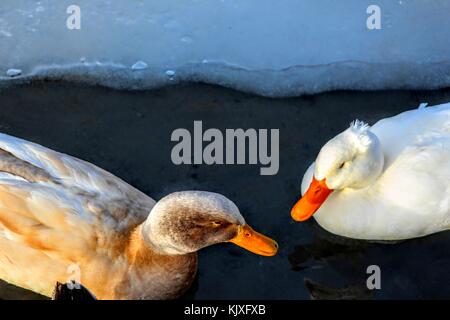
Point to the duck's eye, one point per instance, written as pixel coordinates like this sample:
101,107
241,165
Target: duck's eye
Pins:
341,165
217,224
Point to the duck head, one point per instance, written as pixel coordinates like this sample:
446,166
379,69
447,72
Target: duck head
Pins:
184,222
353,159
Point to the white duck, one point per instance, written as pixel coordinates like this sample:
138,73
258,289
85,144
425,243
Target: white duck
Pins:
63,218
390,181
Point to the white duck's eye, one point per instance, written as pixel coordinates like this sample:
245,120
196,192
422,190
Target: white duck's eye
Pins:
341,165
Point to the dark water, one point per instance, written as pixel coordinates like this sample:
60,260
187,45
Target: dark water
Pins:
128,134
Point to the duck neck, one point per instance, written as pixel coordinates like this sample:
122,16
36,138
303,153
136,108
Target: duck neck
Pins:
175,273
141,243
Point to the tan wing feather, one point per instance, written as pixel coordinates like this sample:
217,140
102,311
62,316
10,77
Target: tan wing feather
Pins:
71,172
70,169
44,219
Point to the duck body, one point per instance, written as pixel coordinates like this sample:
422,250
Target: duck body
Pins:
410,197
61,217
137,274
65,220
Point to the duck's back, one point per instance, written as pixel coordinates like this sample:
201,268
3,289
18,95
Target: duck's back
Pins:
411,128
72,171
415,181
58,212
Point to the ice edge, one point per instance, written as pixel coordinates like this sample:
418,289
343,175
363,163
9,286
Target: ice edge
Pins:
288,82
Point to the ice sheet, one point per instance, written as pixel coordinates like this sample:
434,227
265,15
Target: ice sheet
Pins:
273,48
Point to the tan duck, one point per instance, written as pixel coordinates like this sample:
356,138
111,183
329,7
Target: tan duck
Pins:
59,214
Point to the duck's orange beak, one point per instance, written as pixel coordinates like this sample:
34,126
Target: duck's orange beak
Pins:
311,201
255,242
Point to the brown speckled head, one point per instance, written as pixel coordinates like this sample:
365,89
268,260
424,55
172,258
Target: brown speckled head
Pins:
187,221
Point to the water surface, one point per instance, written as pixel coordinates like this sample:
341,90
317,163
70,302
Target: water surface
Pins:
128,134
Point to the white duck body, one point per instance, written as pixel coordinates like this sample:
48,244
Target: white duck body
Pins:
411,196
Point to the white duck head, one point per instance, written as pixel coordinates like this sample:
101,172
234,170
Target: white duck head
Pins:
353,159
184,222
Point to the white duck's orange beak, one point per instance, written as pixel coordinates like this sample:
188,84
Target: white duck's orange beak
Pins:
255,242
311,201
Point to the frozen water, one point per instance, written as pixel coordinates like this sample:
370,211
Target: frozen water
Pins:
274,48
13,72
140,65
